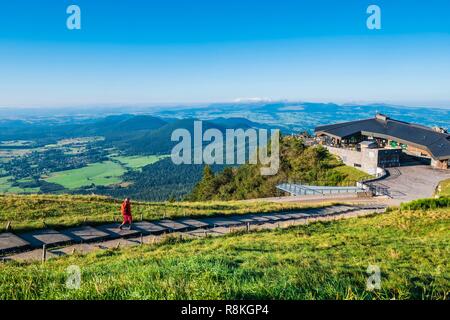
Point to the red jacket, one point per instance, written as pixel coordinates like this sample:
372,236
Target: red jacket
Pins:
126,208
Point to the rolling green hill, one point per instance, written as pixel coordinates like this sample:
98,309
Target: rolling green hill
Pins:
158,141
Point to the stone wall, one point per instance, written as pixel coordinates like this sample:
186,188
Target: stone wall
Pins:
440,164
366,160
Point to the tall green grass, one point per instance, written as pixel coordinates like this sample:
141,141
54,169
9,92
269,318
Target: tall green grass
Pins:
425,204
317,261
444,188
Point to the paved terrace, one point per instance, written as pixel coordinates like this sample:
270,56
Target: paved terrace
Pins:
411,183
48,243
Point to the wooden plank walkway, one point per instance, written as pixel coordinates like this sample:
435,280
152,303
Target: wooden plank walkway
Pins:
84,239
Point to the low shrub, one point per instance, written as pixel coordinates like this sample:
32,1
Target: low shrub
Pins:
425,204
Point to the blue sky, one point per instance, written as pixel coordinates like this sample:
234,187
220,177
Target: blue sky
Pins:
155,51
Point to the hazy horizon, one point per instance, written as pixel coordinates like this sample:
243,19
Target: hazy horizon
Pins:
206,104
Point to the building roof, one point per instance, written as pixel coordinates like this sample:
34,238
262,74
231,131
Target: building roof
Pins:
368,144
437,143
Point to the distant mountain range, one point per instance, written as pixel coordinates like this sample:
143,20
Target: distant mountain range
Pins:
299,116
289,116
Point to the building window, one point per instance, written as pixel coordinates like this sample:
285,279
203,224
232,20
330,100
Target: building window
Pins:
357,165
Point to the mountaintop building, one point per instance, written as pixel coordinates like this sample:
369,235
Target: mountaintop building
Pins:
385,142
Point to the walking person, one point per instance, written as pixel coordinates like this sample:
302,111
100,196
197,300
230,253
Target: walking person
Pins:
126,213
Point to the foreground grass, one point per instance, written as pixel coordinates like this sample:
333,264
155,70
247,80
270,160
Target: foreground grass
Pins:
317,261
37,211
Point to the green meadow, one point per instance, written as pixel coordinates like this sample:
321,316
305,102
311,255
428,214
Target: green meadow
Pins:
322,260
7,188
137,162
100,174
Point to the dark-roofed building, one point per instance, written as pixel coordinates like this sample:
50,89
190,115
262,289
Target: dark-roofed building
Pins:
389,134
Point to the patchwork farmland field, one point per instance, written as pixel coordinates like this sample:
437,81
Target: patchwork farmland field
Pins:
100,174
7,187
137,162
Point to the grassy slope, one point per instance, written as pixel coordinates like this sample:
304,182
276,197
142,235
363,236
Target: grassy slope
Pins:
351,174
30,212
444,188
317,261
298,164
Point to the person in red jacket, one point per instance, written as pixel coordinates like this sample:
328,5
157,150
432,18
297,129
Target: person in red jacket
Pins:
126,213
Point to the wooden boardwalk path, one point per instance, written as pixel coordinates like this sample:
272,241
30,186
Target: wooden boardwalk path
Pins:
48,243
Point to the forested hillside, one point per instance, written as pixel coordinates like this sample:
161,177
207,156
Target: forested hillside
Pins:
298,163
160,181
158,141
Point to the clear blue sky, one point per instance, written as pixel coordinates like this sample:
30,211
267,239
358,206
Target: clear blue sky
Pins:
151,51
